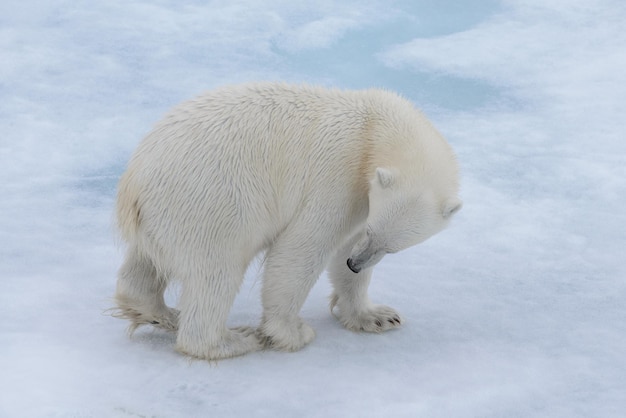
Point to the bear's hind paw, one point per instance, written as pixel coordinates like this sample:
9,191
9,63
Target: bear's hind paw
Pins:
164,319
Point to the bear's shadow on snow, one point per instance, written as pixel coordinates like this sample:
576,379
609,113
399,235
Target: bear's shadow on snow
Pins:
156,339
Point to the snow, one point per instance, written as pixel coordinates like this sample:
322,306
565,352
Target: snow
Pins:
516,310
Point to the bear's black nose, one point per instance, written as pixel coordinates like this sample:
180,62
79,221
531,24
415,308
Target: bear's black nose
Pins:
352,267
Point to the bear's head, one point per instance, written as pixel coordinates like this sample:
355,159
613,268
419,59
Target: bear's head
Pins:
402,213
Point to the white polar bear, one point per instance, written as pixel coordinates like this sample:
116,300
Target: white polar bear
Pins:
316,178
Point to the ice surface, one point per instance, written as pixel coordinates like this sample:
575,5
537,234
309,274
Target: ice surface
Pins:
516,310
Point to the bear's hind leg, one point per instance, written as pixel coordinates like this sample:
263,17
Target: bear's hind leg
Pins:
139,294
354,308
207,296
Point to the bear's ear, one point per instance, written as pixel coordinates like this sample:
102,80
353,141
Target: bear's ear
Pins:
385,177
451,207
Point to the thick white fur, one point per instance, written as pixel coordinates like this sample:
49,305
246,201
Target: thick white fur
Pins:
316,178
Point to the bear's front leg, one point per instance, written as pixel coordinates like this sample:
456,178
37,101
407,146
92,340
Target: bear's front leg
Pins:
292,267
207,296
354,308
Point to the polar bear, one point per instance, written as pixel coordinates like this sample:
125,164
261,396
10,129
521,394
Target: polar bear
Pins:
316,178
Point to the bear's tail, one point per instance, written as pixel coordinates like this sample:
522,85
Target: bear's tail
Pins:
128,210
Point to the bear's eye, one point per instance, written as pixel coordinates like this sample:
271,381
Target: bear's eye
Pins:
451,207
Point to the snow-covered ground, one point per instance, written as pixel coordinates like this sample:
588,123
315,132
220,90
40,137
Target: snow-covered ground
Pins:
517,310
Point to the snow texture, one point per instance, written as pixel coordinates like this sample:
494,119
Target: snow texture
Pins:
517,310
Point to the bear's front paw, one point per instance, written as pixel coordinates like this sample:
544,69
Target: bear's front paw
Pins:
233,342
285,334
375,318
